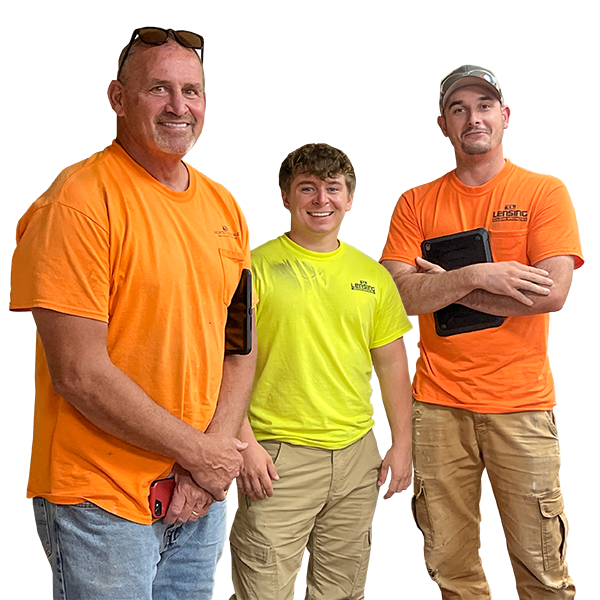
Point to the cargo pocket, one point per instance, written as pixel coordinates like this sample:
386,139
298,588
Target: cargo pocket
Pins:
358,589
420,511
554,530
254,569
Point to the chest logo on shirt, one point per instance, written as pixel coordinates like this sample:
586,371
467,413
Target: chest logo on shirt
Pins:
510,213
224,232
363,286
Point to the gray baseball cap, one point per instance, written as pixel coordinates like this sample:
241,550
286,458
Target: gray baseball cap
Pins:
468,75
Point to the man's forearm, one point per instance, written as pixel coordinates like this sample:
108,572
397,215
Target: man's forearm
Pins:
503,306
560,271
246,434
424,293
109,399
391,366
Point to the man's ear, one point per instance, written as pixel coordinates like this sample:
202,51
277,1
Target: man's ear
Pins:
286,202
115,97
505,116
349,203
442,124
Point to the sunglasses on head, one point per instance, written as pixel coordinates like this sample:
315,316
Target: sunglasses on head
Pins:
155,36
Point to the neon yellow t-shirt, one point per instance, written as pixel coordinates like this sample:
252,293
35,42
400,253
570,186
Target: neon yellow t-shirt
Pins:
319,315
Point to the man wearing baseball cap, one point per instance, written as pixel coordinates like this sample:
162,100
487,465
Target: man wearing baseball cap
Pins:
483,392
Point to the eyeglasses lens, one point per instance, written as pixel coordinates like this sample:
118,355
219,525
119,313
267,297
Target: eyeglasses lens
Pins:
189,39
153,35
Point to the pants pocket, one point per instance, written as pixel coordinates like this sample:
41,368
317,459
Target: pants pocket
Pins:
555,528
420,511
254,569
42,523
358,589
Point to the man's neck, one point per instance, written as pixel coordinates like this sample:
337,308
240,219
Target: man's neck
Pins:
327,243
167,169
475,170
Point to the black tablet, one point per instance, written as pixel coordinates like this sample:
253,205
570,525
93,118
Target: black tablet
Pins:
452,252
238,329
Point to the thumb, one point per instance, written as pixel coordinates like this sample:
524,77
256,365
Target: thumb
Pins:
239,445
383,473
272,471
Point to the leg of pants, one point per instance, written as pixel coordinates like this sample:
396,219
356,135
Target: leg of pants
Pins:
325,500
520,452
98,556
340,542
522,458
448,468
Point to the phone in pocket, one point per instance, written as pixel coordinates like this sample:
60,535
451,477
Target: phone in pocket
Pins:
238,329
161,492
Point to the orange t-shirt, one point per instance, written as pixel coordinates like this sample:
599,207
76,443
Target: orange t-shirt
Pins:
109,242
529,217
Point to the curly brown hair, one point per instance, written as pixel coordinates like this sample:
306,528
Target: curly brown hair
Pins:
321,160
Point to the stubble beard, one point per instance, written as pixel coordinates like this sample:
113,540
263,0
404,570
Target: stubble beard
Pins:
175,144
474,149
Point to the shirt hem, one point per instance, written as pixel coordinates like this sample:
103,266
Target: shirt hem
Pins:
492,410
294,441
71,500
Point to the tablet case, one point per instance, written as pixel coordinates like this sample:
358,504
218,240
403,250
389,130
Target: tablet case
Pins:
238,329
452,252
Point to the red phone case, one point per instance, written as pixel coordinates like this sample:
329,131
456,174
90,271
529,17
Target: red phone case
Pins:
161,491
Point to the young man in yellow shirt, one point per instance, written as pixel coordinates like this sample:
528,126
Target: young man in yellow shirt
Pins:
311,472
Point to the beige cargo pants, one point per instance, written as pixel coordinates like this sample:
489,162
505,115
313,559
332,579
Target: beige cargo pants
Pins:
324,501
451,447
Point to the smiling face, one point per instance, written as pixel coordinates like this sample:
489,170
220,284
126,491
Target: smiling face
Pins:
474,121
317,208
160,103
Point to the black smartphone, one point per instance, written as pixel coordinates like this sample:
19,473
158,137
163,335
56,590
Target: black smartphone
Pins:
238,329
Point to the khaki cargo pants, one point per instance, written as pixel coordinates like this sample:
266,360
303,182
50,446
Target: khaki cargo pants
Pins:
323,501
451,447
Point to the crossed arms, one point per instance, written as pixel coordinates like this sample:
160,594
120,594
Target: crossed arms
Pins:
504,288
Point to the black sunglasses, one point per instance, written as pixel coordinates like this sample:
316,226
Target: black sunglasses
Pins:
155,36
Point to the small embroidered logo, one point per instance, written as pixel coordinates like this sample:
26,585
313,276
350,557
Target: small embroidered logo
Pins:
510,213
224,232
363,286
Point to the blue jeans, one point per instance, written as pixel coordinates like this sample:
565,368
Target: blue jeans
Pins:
96,555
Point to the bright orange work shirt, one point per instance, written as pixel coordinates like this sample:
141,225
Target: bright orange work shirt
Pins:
109,242
529,217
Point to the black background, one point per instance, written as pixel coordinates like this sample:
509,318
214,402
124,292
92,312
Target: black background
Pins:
367,84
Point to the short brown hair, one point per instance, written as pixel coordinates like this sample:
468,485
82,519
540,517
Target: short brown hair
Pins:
321,160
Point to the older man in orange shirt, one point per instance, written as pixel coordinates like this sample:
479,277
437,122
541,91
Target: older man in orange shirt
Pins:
128,263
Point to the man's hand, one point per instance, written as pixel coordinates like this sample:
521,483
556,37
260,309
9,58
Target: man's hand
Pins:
399,460
510,278
507,278
257,472
218,464
428,267
189,502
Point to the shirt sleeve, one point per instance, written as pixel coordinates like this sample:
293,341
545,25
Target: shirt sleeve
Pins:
405,234
553,230
391,321
61,263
